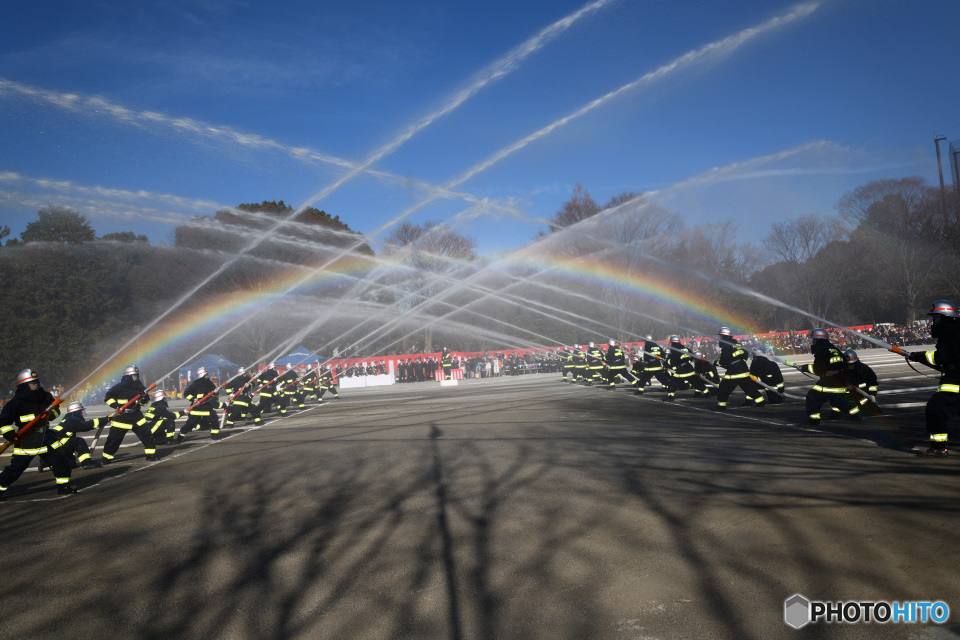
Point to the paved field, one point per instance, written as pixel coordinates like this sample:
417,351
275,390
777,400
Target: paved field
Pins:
500,508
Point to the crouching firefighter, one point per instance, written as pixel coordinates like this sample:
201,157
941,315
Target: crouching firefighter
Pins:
161,419
203,410
768,372
73,445
829,364
240,402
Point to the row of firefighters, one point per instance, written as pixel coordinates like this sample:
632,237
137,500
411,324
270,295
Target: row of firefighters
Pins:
61,449
843,381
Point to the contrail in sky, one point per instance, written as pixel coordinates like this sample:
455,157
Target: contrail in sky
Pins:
491,73
703,54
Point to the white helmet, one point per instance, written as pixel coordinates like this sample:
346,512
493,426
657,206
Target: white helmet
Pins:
290,367
27,375
202,371
613,343
273,365
131,370
674,338
159,395
592,345
240,370
74,406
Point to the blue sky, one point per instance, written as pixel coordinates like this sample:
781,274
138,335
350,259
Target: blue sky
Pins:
141,115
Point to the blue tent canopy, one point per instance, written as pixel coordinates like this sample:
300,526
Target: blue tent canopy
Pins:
217,365
300,355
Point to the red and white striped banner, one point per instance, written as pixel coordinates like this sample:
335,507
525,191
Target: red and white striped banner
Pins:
455,374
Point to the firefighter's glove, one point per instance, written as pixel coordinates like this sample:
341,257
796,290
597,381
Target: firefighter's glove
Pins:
918,356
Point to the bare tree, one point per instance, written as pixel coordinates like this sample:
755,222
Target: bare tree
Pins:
800,239
579,207
429,250
855,205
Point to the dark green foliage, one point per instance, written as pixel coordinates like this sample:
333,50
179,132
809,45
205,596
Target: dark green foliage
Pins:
124,236
60,225
58,304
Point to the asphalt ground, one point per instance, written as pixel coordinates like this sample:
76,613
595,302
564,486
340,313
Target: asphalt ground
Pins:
515,507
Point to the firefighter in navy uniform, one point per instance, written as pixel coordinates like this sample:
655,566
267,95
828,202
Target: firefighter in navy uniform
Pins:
864,378
706,376
309,383
829,365
162,421
653,358
29,401
327,383
595,364
944,404
733,359
569,365
617,366
580,365
267,383
288,389
768,372
68,428
130,388
680,362
242,404
201,413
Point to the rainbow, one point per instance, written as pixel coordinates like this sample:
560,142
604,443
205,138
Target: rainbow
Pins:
653,288
233,307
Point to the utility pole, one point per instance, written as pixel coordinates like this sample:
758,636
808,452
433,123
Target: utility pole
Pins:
943,190
955,165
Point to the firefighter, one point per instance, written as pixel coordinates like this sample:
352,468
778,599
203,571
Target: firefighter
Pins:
74,445
288,389
733,359
569,365
864,378
680,363
595,364
829,364
327,383
707,379
30,400
768,372
653,358
579,365
309,383
162,420
617,366
126,399
944,404
267,383
202,412
242,404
